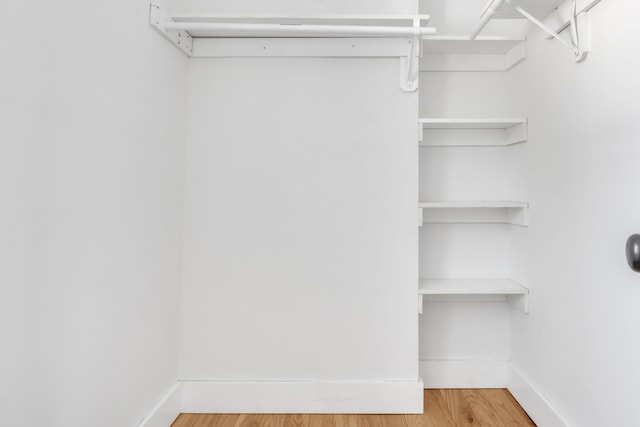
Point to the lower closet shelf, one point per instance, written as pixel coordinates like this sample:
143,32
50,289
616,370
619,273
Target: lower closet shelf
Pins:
512,292
476,211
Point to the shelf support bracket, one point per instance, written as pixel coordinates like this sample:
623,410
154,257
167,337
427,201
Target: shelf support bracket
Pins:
179,38
409,76
576,44
520,302
516,134
578,21
541,24
576,16
518,216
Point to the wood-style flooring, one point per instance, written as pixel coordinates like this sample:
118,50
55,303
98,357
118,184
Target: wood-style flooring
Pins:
442,408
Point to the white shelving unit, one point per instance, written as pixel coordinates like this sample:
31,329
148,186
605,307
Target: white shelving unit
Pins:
452,132
461,53
470,289
469,212
443,238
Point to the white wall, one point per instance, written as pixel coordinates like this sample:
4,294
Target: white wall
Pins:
579,344
20,95
91,174
301,237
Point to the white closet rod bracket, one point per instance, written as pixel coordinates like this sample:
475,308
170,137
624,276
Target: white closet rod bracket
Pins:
409,81
578,21
574,45
179,38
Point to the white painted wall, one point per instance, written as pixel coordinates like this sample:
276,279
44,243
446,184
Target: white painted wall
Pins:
579,344
91,173
20,92
300,226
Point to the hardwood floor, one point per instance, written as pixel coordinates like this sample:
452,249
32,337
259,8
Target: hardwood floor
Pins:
443,408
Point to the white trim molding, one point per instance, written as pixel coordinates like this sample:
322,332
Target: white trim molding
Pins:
302,397
464,373
541,411
166,410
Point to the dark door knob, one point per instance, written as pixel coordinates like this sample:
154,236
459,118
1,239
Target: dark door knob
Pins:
633,252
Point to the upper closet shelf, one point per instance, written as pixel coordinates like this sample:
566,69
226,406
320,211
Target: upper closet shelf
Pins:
183,29
451,132
464,45
461,53
368,36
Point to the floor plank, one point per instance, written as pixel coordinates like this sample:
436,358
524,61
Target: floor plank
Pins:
442,408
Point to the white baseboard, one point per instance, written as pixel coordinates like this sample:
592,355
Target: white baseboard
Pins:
464,373
166,410
533,401
302,397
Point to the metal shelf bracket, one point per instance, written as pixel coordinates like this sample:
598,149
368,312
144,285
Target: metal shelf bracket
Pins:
574,15
409,66
574,44
179,38
409,80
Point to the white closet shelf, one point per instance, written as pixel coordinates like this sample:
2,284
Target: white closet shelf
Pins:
461,53
506,131
474,204
488,123
464,45
471,287
183,29
463,289
295,28
474,212
214,36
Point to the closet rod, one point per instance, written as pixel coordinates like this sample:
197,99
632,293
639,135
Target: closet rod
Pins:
294,30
